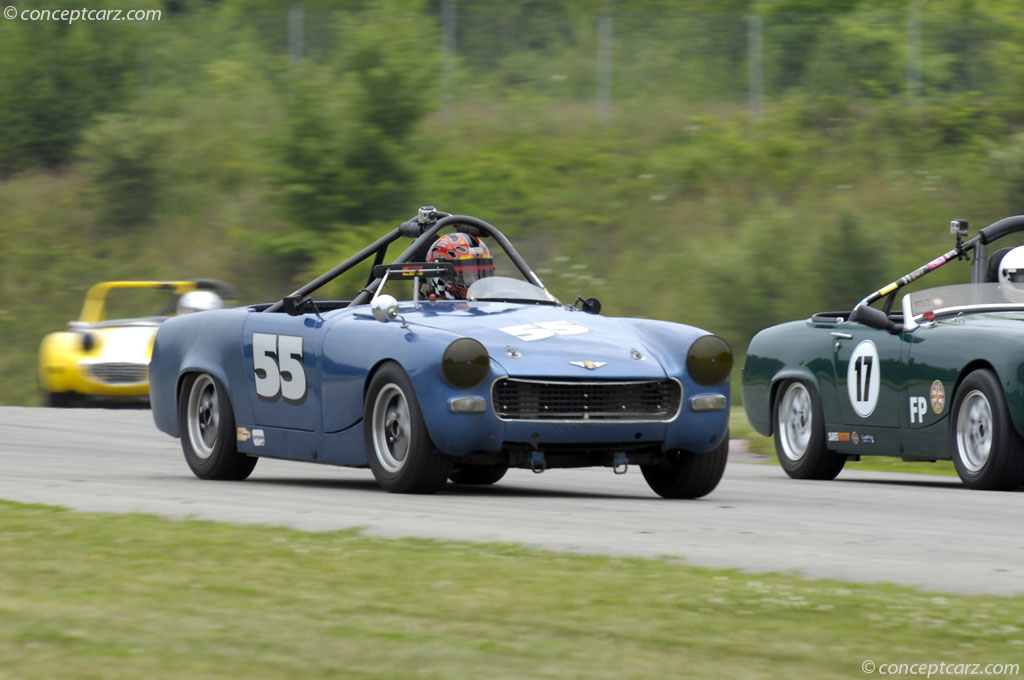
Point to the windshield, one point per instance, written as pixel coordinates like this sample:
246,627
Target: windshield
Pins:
507,288
964,297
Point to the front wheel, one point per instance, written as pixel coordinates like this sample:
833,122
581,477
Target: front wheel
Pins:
477,474
398,447
800,434
986,447
57,399
207,426
685,474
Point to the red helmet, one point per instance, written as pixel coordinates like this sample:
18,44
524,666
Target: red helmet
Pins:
472,261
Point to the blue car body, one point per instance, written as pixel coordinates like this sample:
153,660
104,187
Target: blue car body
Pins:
332,350
342,347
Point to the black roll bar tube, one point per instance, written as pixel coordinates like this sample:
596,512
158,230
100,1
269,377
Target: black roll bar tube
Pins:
996,230
428,235
341,268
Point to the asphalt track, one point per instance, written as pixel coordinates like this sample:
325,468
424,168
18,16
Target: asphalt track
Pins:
919,530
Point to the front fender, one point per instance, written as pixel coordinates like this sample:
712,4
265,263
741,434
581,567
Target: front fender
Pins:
58,360
789,351
356,347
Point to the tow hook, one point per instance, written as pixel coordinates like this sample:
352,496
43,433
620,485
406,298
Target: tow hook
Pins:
538,463
620,463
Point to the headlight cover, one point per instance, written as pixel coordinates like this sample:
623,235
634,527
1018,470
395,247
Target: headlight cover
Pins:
709,360
465,363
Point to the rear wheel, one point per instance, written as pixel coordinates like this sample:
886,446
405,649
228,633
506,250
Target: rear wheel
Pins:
398,447
685,474
477,474
986,447
800,434
207,426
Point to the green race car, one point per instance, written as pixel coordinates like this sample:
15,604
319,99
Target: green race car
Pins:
938,377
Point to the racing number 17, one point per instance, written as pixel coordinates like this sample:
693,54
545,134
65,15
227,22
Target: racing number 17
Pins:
863,368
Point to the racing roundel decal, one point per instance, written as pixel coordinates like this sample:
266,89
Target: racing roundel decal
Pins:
863,378
938,395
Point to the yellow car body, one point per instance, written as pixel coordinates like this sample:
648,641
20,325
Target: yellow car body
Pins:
108,359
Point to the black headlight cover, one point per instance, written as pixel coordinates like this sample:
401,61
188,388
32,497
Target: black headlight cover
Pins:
709,360
465,363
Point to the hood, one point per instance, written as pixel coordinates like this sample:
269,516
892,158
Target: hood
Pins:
123,344
543,340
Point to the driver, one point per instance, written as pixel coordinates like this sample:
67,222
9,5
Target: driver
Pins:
472,261
1011,274
199,301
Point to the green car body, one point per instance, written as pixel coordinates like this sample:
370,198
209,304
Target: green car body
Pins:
941,379
911,363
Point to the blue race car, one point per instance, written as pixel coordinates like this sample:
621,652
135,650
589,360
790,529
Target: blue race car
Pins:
473,374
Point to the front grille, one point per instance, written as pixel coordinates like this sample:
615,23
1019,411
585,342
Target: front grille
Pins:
652,400
120,373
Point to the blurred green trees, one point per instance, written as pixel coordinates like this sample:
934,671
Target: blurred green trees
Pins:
261,143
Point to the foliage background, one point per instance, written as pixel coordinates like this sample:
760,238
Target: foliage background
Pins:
220,142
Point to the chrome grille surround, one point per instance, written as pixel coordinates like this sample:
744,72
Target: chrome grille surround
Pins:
119,373
540,400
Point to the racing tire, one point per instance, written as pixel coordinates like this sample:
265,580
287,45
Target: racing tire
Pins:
57,399
477,474
987,451
207,426
685,474
398,447
800,434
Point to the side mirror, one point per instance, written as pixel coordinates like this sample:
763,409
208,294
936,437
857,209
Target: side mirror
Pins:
874,318
590,305
384,308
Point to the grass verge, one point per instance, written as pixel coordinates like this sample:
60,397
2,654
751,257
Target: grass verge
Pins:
739,428
132,596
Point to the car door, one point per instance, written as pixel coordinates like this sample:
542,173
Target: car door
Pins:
283,369
869,376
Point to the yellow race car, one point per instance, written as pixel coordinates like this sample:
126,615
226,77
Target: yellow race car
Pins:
104,355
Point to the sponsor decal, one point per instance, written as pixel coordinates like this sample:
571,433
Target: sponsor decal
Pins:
839,436
243,434
938,396
918,407
922,304
855,438
257,438
867,438
590,365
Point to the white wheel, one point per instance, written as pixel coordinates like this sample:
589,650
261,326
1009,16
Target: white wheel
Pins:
207,426
986,449
800,434
391,428
203,417
974,431
796,418
398,447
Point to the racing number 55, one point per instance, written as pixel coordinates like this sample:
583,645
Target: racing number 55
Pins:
277,365
528,332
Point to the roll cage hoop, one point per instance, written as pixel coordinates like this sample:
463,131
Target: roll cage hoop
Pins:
422,229
879,319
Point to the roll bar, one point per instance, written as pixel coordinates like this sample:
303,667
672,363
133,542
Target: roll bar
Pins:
422,229
994,231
